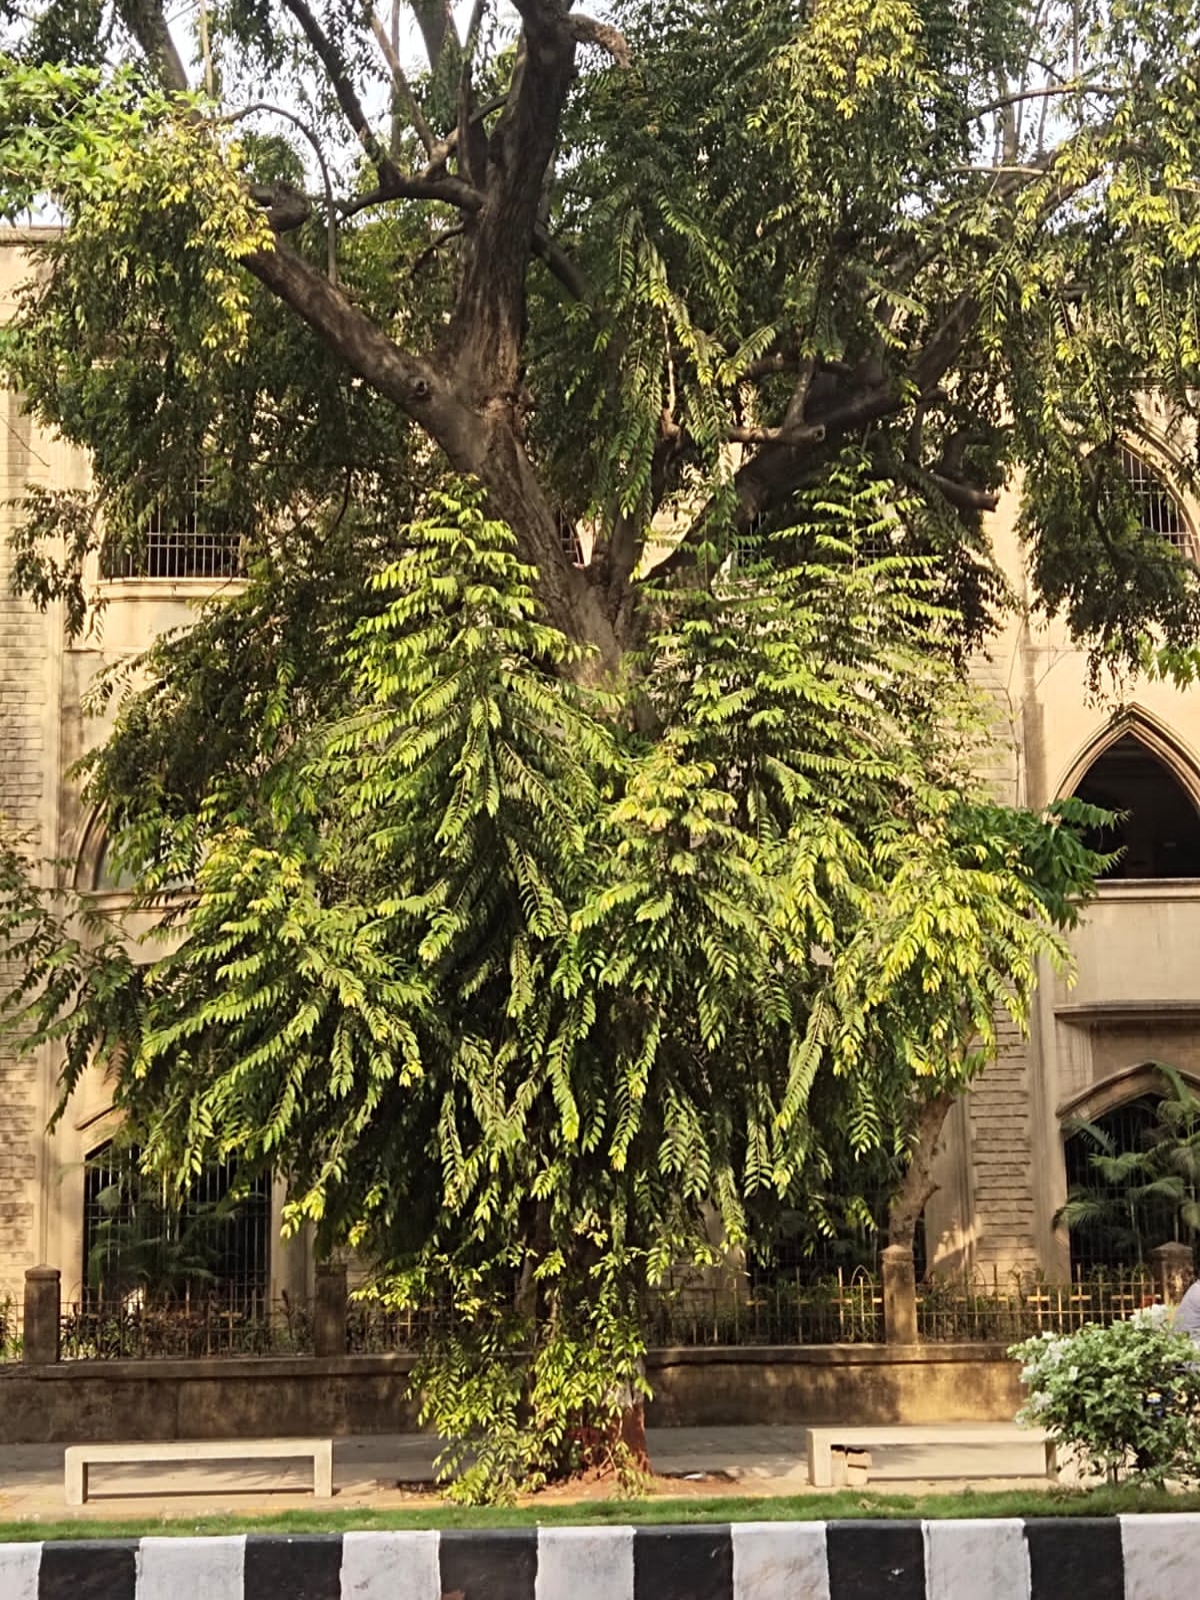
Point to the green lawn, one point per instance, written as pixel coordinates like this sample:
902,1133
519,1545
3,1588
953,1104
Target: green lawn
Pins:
847,1503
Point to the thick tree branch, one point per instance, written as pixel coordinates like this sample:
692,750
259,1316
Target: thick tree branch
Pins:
948,338
331,58
435,19
586,30
964,496
482,441
145,21
287,209
564,267
450,190
411,382
487,323
280,199
793,437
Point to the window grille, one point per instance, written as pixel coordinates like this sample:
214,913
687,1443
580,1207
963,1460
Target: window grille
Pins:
1110,1240
1161,514
182,540
199,1252
569,539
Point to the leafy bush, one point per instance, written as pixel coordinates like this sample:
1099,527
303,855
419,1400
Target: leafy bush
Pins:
1125,1398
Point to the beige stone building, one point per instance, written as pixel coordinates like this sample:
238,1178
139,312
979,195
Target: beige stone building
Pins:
47,1199
1004,1171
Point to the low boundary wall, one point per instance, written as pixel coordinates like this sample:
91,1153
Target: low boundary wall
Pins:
89,1402
1126,1558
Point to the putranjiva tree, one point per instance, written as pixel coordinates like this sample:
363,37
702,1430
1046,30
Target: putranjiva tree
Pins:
518,992
653,267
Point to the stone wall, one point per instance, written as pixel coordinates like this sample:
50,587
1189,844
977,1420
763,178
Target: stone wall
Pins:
25,784
999,1108
258,1397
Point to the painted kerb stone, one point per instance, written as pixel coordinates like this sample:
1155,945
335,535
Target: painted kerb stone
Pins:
1121,1558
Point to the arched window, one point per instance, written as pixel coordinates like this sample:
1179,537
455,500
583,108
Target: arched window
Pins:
1161,513
206,1249
107,877
1117,1229
1159,836
1133,1173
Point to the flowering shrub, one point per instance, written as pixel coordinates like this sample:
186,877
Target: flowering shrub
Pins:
1125,1398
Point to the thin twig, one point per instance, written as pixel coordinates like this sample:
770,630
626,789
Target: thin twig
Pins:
402,85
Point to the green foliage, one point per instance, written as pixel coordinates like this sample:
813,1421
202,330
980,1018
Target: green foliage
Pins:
961,241
1124,1398
521,996
1160,1180
533,989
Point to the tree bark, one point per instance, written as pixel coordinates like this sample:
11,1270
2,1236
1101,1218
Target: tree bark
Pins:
909,1201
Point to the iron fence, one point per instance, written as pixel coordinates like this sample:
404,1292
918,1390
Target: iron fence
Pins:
995,1308
137,1329
845,1308
783,1309
373,1329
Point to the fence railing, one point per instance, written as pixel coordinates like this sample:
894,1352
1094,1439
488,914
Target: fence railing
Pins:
140,1330
846,1308
756,1309
997,1308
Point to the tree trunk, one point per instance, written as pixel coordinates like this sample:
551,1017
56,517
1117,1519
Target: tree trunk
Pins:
515,494
909,1201
905,1211
632,1435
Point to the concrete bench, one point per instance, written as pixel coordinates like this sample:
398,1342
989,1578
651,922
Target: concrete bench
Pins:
822,1442
80,1457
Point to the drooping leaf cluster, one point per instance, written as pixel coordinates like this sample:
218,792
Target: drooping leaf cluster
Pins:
519,993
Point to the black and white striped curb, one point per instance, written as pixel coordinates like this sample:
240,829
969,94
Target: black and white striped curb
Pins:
1118,1558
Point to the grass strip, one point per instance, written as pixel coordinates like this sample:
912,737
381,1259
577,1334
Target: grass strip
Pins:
845,1505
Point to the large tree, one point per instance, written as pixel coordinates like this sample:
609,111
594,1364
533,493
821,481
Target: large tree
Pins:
551,894
666,272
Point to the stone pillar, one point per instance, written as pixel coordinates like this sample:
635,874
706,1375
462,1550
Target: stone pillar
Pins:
43,1315
899,1295
329,1311
1174,1269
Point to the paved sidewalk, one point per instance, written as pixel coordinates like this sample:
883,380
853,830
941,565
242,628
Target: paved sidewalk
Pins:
388,1470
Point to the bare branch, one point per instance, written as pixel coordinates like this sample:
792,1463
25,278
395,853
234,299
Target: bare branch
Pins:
586,30
432,248
338,74
402,85
278,212
1020,96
